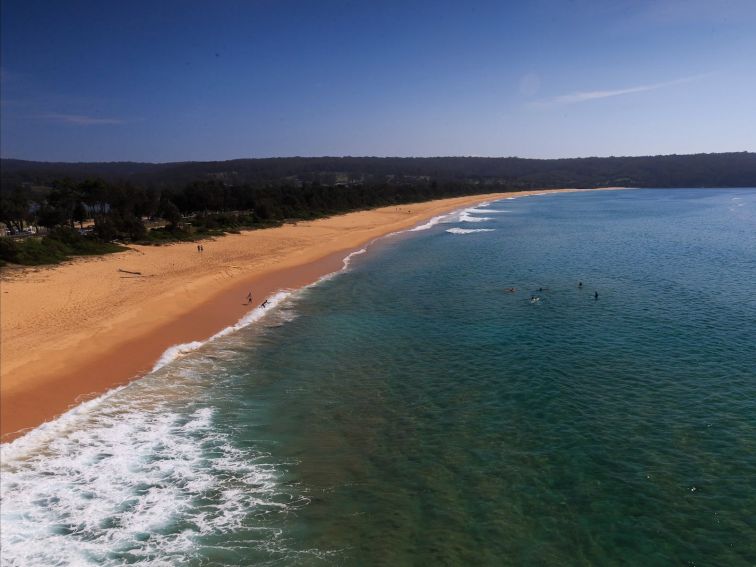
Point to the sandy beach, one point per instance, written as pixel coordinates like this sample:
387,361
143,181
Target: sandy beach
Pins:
76,330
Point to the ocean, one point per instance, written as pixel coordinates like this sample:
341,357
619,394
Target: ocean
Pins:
414,410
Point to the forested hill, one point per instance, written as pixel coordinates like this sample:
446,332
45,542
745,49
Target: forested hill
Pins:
698,170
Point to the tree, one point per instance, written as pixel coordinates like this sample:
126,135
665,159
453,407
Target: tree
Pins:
170,212
14,209
80,213
50,216
64,197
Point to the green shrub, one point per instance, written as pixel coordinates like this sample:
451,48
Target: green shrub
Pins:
8,250
36,251
59,245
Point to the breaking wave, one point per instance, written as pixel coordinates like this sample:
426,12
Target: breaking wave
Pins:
139,480
176,351
456,230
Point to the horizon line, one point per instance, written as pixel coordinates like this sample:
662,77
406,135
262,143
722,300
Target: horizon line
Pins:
325,156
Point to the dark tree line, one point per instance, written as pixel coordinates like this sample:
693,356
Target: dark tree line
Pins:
200,199
699,170
276,203
118,210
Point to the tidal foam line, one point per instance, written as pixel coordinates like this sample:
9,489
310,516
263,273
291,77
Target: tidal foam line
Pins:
456,230
176,351
485,211
465,216
431,223
348,258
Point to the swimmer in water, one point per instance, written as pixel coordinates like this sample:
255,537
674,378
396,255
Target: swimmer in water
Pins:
595,295
580,284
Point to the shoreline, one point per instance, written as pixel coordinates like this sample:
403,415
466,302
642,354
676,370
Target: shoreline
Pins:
76,331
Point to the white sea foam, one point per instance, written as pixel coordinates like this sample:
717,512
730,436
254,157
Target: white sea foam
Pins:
42,435
348,257
465,216
462,215
485,211
176,351
431,223
140,483
456,230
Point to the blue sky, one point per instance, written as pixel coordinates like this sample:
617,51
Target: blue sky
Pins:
183,80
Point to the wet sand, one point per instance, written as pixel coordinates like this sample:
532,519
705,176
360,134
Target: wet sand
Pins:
74,331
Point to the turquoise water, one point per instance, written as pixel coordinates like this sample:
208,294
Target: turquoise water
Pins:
410,411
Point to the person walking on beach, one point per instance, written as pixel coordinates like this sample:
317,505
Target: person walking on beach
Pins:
199,248
249,296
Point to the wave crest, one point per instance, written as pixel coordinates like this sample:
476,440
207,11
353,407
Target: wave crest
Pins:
456,230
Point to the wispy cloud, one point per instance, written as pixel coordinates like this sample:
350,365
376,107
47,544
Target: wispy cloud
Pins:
80,119
725,12
585,96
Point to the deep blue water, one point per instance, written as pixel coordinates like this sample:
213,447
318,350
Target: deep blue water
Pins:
411,411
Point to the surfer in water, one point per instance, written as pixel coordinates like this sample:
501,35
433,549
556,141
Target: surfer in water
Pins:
264,304
595,295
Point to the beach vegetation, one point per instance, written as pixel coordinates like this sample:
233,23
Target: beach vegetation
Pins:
60,244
